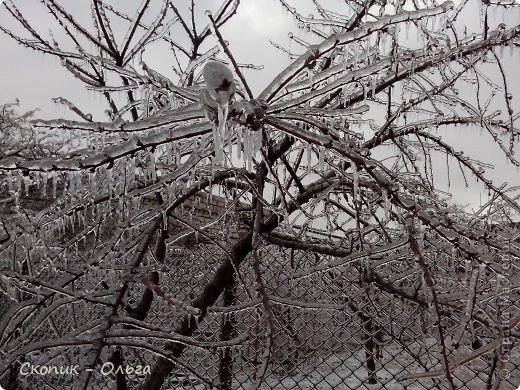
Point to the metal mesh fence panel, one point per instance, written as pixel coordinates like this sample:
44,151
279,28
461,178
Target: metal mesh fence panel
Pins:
360,323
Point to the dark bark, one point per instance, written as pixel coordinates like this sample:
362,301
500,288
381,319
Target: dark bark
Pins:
12,377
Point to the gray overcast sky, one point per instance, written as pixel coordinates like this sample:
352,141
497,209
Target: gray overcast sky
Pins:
35,78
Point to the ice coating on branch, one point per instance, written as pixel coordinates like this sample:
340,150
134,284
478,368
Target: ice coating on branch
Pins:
86,160
341,39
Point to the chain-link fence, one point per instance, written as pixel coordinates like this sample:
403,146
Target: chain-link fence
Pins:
341,327
358,322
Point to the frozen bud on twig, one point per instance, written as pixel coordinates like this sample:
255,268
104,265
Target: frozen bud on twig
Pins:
215,99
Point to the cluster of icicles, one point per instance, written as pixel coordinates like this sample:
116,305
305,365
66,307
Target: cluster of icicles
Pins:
244,142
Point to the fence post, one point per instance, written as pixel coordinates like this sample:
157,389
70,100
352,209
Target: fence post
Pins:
228,328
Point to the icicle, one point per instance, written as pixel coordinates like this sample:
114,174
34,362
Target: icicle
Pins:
467,270
383,43
356,54
310,76
251,149
26,184
386,201
19,183
230,141
142,98
178,156
222,118
212,171
110,182
72,221
217,143
420,238
16,197
10,181
247,149
132,170
165,220
257,139
84,221
434,22
356,179
192,176
253,146
72,183
239,142
309,158
120,204
93,182
153,172
77,179
321,159
482,269
54,184
169,157
370,41
44,176
135,204
345,57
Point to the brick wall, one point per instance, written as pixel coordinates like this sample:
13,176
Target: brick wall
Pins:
215,217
